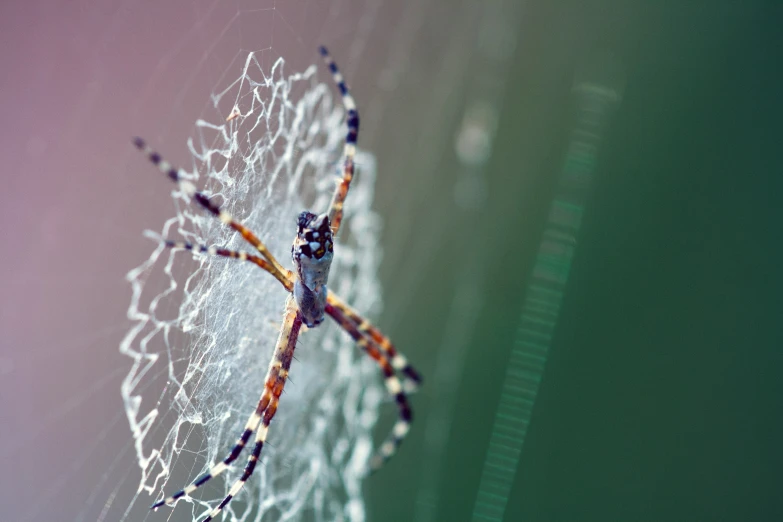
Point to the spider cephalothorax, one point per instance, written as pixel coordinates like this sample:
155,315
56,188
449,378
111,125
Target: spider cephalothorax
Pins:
312,252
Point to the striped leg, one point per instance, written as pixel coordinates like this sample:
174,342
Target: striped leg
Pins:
402,426
340,193
217,469
273,388
188,188
284,278
398,361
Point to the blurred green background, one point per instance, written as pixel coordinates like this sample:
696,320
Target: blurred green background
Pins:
662,395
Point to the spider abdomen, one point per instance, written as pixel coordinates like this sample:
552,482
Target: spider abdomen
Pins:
311,303
312,254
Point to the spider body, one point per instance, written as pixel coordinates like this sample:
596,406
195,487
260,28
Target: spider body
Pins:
312,253
310,301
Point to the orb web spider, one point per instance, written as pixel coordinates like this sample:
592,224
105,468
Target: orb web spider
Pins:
307,303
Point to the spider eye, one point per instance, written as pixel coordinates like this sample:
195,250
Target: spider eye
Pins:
304,220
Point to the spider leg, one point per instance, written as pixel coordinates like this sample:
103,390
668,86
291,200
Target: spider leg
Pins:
273,388
188,188
340,193
217,469
398,361
285,278
403,424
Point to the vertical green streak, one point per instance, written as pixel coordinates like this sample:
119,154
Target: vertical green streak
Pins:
541,307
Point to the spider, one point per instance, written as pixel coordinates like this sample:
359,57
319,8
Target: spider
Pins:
308,303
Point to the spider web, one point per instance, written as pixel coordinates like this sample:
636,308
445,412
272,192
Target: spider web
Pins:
205,328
